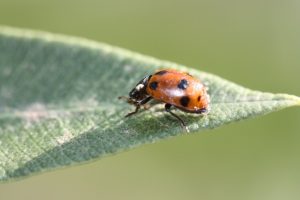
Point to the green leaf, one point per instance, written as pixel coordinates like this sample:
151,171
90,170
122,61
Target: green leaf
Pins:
59,106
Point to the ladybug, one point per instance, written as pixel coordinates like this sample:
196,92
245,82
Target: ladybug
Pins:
175,89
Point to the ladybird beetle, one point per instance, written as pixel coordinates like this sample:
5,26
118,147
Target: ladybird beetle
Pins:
175,89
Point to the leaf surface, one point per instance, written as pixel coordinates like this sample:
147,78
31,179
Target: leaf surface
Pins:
59,106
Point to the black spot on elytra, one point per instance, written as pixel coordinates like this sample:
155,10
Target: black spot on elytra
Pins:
161,72
199,98
153,85
183,84
184,101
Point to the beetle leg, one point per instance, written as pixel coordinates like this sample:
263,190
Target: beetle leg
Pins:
138,105
183,125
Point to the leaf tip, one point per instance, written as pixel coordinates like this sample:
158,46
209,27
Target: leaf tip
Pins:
296,99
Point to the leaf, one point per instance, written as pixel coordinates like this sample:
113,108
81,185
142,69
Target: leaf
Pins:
59,106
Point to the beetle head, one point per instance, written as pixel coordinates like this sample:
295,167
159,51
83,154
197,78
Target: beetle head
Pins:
139,92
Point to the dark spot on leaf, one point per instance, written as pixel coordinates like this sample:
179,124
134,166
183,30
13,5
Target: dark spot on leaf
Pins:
202,110
161,72
183,84
184,101
153,85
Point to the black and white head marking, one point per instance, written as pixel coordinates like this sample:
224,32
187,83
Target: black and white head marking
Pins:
139,87
139,92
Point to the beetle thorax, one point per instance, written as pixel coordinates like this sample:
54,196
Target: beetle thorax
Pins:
139,92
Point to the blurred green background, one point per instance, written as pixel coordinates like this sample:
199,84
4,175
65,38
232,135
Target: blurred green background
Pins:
254,43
